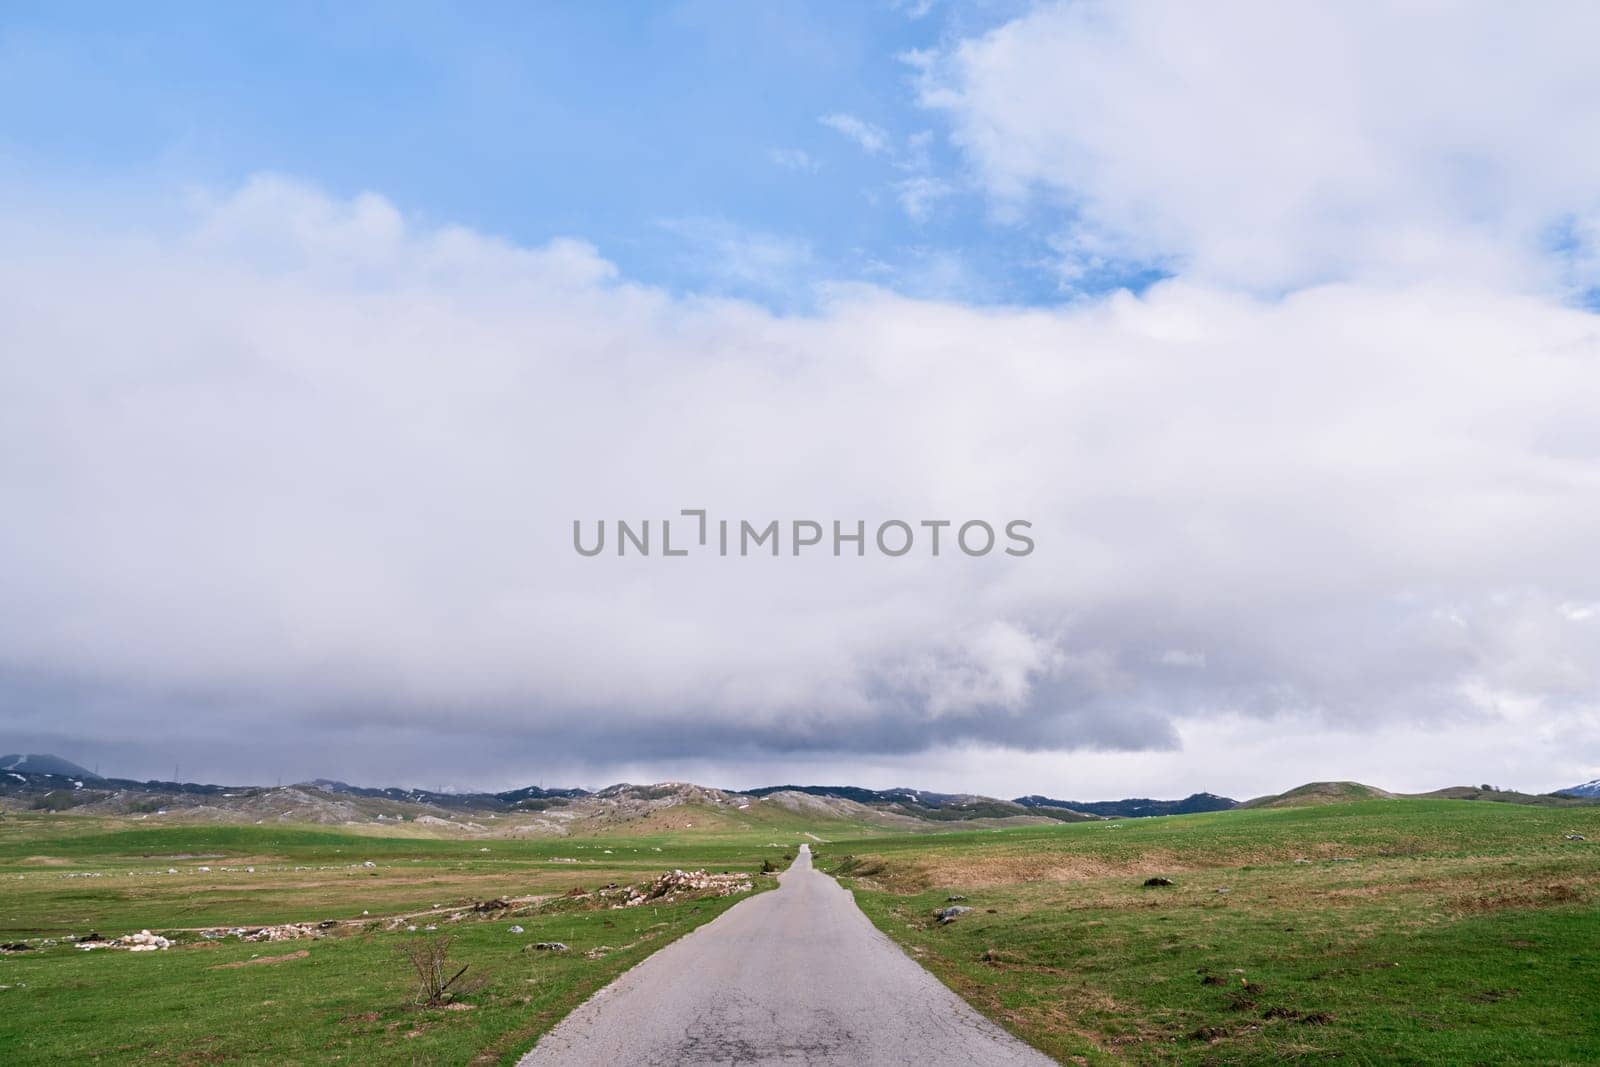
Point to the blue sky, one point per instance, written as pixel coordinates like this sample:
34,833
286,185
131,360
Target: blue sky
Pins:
667,135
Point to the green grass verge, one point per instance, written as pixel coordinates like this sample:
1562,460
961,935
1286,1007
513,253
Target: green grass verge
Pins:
1400,931
347,997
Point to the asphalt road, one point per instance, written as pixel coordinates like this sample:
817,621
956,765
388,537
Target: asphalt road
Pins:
794,976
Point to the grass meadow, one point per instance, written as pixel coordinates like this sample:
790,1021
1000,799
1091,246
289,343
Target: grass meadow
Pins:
1374,931
345,997
1388,931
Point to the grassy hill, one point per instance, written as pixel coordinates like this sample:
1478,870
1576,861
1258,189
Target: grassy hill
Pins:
1319,793
1314,793
1509,796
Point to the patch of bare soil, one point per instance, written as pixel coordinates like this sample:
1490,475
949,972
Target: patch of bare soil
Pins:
1521,897
302,954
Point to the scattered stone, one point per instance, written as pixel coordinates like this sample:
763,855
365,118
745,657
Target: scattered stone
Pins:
950,914
550,946
285,932
144,941
1576,837
516,929
15,946
953,897
679,885
1223,889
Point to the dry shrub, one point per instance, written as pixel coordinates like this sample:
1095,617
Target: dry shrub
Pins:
436,973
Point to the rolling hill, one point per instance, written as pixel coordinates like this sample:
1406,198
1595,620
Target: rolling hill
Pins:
1319,793
50,783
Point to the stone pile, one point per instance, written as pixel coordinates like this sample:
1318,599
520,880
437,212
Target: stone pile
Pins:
143,941
677,885
285,932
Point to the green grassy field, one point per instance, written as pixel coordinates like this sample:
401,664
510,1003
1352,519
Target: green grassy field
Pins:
1390,931
1375,931
344,997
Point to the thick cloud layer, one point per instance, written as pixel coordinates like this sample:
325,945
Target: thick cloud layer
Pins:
304,467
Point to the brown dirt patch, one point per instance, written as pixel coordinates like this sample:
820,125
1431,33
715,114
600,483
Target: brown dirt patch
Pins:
302,954
1521,897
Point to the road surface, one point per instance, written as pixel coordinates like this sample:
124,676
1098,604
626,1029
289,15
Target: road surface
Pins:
793,976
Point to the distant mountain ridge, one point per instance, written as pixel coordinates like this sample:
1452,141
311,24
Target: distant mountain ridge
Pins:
509,799
65,785
1135,807
48,782
919,803
45,764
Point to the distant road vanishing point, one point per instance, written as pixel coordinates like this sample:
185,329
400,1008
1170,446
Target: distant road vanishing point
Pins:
794,976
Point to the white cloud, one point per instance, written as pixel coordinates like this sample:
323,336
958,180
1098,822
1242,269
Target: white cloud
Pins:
721,256
921,189
793,159
919,194
322,474
874,140
1274,145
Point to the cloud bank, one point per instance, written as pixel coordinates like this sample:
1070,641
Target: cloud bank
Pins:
299,472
